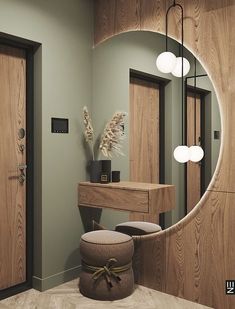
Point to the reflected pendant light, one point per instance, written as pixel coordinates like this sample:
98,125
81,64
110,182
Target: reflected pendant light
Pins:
167,62
196,152
181,153
177,69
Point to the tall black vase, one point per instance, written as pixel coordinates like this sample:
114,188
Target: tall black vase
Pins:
95,171
106,168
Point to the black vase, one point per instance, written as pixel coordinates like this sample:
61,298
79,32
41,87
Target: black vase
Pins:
95,171
106,168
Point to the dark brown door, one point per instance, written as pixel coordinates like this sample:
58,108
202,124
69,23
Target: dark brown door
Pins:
12,166
193,185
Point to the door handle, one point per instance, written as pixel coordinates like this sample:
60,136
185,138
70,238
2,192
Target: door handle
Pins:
21,178
22,167
21,148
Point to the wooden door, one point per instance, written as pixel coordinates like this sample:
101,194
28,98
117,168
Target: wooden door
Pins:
144,136
193,185
12,156
144,131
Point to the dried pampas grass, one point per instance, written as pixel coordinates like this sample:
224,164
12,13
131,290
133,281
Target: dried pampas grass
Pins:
113,136
89,132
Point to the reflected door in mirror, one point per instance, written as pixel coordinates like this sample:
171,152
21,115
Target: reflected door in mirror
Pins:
144,131
194,171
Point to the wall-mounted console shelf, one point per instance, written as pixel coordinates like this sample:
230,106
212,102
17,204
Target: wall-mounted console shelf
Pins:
144,201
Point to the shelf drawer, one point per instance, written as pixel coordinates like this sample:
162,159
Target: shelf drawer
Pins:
122,199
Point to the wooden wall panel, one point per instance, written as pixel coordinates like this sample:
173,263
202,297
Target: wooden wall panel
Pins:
151,12
104,19
127,13
199,251
150,272
200,254
187,252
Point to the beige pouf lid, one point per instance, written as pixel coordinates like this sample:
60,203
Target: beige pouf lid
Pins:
105,237
98,247
138,228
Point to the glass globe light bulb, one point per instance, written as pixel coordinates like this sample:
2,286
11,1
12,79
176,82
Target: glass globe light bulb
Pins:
177,71
166,62
181,154
196,153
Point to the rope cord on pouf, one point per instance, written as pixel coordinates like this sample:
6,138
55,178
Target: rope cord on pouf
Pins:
108,271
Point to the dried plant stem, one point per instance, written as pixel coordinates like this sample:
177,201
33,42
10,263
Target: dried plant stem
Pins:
92,151
113,136
89,132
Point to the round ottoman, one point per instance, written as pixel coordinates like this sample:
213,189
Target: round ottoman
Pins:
141,232
106,265
134,228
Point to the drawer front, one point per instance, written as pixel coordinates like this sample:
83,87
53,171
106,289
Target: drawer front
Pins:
131,200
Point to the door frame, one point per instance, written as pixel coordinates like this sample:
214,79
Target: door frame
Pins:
162,82
30,47
202,93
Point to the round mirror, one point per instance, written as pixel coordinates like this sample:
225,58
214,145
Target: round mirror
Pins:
126,78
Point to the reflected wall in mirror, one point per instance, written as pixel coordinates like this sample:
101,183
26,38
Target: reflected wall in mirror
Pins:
125,77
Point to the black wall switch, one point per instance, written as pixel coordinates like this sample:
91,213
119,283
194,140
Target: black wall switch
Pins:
59,125
216,134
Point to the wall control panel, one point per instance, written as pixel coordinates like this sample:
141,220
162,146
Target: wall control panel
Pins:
59,125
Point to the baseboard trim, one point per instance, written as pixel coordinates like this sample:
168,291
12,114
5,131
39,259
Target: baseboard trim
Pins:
43,284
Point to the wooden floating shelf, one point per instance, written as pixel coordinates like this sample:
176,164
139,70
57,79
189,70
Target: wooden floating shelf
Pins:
144,200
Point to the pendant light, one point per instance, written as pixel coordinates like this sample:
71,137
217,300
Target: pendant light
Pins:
167,62
181,153
196,152
177,69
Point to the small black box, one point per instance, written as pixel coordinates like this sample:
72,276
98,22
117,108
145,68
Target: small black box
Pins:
115,176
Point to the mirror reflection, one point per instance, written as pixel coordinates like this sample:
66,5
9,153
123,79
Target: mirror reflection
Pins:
125,78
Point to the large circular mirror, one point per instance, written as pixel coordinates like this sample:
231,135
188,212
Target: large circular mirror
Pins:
125,77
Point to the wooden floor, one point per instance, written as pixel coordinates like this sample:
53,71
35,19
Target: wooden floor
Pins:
67,296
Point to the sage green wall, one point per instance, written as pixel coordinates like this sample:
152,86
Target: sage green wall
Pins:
112,61
62,87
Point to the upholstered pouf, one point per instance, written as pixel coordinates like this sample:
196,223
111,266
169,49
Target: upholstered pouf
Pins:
106,265
133,228
140,232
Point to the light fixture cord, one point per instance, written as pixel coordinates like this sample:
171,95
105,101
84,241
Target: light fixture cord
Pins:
195,101
182,54
168,10
182,71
